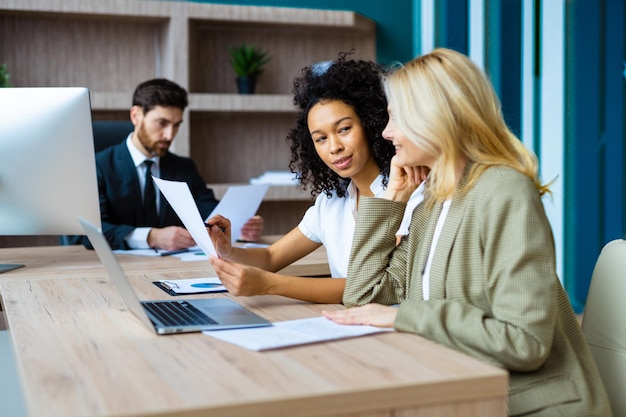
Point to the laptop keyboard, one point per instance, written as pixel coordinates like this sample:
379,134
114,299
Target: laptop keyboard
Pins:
178,313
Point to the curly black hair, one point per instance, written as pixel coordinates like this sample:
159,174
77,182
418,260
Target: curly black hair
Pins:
356,83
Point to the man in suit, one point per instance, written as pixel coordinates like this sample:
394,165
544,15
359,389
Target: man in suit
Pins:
129,218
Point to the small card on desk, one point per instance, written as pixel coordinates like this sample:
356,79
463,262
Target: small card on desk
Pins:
190,286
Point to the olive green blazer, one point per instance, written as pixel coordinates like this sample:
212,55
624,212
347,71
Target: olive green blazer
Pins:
494,291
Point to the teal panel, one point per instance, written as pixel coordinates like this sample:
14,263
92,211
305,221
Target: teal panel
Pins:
452,25
504,56
614,122
417,33
583,148
595,137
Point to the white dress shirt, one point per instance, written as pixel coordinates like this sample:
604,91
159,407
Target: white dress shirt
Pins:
138,238
440,222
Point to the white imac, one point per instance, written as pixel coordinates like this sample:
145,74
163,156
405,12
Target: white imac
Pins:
47,162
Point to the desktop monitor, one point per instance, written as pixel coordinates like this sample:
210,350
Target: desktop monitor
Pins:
47,162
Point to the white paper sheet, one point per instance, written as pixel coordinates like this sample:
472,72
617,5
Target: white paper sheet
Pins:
179,196
198,254
292,332
276,178
239,203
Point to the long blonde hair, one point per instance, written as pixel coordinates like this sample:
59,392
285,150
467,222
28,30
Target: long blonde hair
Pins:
446,105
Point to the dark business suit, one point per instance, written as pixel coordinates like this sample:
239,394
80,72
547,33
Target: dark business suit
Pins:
120,192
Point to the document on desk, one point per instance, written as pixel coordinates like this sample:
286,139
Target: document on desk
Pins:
291,333
239,203
179,196
190,286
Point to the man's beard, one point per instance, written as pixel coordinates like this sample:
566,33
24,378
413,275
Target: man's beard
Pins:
153,150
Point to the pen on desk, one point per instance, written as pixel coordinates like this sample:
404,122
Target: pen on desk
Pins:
223,229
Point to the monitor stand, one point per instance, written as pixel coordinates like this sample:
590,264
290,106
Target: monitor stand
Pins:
9,267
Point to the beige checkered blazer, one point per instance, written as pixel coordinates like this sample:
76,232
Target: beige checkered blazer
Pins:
494,292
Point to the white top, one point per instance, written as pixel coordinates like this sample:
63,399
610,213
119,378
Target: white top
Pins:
331,222
426,276
416,198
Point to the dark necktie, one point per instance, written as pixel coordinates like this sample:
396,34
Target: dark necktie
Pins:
150,217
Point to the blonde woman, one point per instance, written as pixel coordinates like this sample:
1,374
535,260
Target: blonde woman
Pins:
477,272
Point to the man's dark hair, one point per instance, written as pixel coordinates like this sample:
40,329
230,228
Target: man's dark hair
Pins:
357,83
159,92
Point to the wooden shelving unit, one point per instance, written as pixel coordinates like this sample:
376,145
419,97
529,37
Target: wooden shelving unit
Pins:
110,46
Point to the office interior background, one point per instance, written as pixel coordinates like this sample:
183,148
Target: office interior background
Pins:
558,67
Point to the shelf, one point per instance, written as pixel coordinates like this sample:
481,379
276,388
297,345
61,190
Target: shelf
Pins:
159,10
277,16
103,101
278,103
109,46
273,103
84,9
290,48
274,193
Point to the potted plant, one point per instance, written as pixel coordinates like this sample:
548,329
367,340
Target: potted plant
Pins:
248,61
4,76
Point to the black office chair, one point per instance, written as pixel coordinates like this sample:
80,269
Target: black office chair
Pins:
110,132
105,133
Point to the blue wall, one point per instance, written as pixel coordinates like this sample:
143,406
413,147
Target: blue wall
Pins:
394,21
596,137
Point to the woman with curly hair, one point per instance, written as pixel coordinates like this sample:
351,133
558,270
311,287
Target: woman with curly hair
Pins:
338,153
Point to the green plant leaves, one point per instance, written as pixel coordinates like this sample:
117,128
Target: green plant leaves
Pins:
248,60
4,76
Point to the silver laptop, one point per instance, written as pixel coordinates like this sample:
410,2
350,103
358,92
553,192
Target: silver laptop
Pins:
171,316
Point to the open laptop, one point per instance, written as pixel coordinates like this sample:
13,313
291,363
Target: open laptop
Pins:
171,316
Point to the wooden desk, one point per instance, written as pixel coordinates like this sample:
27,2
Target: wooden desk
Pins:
80,352
65,261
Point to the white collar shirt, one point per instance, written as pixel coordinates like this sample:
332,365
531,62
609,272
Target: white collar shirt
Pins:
431,252
138,238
